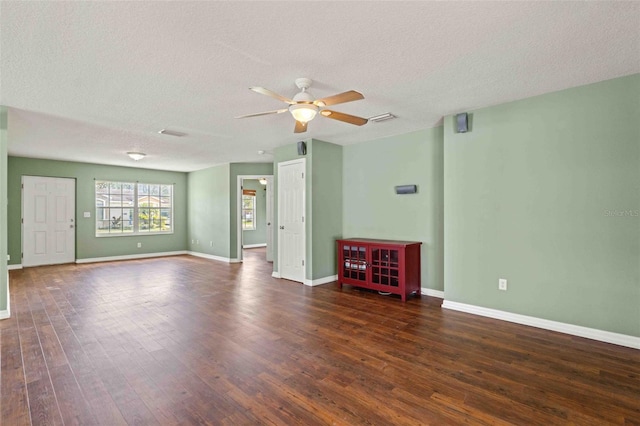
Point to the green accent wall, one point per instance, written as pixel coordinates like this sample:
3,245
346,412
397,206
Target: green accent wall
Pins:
258,235
545,192
326,207
240,169
87,244
4,250
372,209
209,211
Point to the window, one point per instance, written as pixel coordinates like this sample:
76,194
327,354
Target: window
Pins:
248,210
133,208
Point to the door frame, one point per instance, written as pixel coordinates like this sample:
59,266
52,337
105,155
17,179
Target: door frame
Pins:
240,178
74,210
278,274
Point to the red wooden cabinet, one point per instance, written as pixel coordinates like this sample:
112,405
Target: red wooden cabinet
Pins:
384,265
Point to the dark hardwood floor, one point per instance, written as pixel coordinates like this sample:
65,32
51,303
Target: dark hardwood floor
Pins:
184,340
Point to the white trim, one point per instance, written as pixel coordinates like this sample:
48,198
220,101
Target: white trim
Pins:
433,293
254,245
213,257
7,312
575,330
12,267
320,281
131,256
276,274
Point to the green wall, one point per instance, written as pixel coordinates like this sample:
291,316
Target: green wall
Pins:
3,210
87,244
213,209
326,207
209,211
258,235
239,169
545,192
372,209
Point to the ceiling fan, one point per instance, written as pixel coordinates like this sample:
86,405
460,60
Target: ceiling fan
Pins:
304,108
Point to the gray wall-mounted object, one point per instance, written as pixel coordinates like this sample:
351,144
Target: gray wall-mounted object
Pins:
406,189
462,122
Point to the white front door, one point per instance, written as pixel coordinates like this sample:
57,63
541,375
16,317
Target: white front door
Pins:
291,221
48,220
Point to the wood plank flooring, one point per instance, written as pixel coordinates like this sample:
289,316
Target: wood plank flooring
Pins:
184,340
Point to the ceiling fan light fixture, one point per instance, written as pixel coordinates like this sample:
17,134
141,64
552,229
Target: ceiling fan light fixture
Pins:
136,155
303,112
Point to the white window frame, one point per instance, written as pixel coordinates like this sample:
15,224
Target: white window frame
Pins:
136,209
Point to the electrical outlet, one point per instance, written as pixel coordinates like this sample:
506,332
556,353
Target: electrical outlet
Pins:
197,242
502,284
8,257
193,241
139,245
210,243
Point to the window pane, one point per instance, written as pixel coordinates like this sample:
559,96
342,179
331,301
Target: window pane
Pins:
115,215
143,220
154,190
102,187
165,219
116,187
143,189
166,190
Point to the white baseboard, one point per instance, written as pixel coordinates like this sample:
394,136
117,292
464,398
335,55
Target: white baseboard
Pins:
276,274
321,281
574,330
433,293
213,257
13,267
130,257
254,245
4,314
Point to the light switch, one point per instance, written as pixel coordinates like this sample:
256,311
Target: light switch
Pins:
87,214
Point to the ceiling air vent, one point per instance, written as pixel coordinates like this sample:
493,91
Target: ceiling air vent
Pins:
172,133
382,117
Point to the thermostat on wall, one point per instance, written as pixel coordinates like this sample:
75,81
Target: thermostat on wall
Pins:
87,214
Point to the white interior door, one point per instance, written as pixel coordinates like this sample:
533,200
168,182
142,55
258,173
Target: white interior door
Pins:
48,220
291,224
269,213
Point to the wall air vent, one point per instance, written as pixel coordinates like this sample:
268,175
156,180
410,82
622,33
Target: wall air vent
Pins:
382,117
172,133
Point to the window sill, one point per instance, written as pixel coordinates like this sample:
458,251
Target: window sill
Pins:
133,234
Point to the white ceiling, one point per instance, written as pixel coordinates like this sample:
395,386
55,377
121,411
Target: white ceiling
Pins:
88,81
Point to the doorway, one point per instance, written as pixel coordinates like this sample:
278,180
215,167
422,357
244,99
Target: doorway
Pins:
255,215
48,220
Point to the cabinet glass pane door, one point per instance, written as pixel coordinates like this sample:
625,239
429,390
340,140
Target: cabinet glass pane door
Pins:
355,262
384,266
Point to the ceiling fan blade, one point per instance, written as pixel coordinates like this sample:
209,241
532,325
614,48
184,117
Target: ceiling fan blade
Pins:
300,127
341,98
277,111
268,92
341,116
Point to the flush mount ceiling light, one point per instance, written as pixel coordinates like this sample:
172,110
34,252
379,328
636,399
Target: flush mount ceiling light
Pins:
136,155
263,181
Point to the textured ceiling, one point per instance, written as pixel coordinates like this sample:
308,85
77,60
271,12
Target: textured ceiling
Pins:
88,81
